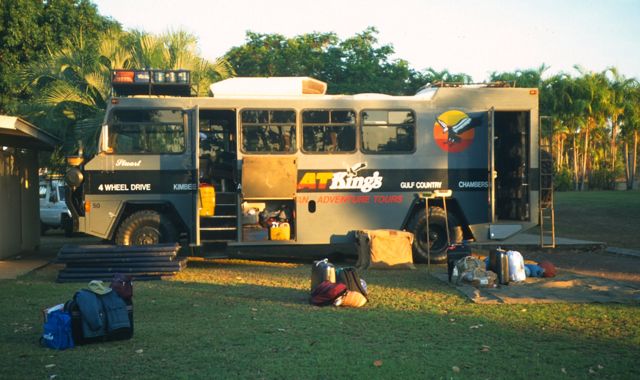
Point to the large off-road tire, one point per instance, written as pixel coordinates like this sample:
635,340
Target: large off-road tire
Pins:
144,228
437,232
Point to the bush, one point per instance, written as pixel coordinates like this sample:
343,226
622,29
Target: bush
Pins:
602,179
563,180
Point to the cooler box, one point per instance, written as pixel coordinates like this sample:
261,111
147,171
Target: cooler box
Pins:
384,249
207,199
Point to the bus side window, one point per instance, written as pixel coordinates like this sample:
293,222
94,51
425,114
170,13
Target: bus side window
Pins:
268,131
388,131
328,131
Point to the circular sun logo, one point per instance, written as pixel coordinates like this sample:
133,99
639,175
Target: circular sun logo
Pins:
453,131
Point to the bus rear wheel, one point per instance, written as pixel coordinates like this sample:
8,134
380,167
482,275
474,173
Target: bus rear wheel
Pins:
437,239
144,228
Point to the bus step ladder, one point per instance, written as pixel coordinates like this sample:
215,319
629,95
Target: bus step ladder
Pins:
547,228
547,213
223,225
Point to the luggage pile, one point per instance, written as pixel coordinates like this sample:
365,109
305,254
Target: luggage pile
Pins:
501,267
336,286
97,313
101,262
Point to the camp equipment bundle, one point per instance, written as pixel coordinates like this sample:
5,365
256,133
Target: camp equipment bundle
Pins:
384,249
338,287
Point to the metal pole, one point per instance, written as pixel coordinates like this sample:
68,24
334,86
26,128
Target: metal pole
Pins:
446,221
426,205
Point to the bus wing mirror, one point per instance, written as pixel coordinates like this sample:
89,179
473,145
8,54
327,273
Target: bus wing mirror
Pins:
104,139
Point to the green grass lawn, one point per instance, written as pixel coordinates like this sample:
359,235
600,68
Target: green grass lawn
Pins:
238,319
612,217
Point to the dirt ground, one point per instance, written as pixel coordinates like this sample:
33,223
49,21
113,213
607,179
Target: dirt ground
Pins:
590,263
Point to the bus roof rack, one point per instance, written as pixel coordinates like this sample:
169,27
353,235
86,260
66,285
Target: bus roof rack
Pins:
462,84
151,82
268,86
429,89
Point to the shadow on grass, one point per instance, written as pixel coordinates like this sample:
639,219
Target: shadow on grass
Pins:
220,327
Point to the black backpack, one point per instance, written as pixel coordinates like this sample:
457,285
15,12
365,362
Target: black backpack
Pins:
350,277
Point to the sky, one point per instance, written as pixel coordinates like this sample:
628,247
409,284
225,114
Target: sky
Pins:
463,36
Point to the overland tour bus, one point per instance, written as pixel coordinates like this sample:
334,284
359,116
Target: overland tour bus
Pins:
276,163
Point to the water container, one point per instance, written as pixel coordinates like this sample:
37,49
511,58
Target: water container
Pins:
280,231
322,270
207,199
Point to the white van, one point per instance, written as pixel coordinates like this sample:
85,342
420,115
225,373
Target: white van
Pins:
53,209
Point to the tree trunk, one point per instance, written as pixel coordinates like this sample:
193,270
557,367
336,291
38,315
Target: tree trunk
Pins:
575,163
559,154
634,160
584,156
627,166
614,147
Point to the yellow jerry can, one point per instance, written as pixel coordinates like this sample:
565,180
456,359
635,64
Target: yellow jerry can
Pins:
207,199
280,231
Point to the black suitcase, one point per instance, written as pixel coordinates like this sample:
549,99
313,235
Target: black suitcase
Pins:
350,277
76,326
499,263
455,253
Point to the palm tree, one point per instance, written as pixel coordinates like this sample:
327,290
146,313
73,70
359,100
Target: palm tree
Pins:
113,51
445,76
619,91
558,100
147,51
70,89
71,81
630,126
521,78
593,94
177,50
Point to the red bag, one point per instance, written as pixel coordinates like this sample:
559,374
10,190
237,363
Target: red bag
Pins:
326,293
122,285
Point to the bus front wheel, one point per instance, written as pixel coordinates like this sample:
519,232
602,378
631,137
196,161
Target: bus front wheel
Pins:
144,228
437,239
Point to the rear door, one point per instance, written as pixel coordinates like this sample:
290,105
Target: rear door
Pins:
194,142
491,165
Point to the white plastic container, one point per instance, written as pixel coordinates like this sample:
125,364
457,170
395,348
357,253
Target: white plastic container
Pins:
516,266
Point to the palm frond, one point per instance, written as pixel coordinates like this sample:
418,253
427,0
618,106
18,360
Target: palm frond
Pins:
62,92
98,83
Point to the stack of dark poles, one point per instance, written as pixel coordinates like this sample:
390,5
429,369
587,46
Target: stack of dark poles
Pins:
100,262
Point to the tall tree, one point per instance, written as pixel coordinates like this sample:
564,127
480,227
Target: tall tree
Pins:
630,129
521,78
618,94
70,86
354,65
30,29
434,77
175,50
593,98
